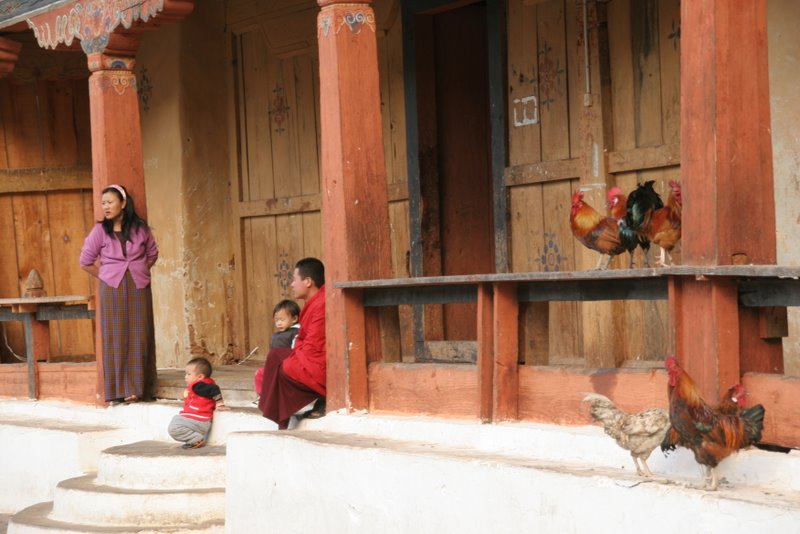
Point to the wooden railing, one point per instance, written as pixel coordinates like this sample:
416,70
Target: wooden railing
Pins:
498,388
35,313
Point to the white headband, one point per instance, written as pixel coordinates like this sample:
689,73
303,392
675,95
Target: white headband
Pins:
121,190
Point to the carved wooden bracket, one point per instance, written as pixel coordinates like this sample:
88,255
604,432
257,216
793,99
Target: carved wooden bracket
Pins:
112,26
9,52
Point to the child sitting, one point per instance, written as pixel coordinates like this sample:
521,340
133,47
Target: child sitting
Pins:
285,315
201,397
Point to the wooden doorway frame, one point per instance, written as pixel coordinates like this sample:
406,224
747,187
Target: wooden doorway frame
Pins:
495,24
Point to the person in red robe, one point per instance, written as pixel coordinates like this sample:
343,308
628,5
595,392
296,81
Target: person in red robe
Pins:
295,378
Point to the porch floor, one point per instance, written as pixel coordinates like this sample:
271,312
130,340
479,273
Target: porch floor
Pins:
236,382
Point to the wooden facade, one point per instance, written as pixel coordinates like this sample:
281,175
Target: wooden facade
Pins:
427,151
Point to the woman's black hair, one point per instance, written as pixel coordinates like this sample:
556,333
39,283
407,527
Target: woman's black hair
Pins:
130,219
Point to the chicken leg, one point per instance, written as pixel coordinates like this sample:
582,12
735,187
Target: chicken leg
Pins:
644,470
711,480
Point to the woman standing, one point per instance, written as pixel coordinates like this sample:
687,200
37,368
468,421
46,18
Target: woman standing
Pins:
126,249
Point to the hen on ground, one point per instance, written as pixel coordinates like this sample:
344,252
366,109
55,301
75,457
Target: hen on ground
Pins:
640,433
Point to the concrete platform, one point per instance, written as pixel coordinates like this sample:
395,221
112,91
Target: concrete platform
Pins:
372,483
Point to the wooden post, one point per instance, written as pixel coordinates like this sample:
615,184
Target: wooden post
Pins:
726,164
116,130
116,149
355,212
506,351
485,351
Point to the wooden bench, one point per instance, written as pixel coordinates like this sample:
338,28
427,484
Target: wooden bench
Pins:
35,313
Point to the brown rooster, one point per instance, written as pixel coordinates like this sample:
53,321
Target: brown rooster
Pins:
731,403
617,202
664,229
640,433
594,230
712,434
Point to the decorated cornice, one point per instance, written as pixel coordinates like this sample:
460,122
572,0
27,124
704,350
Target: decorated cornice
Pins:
94,21
9,52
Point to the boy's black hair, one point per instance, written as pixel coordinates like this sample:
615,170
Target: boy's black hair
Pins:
311,268
289,306
130,219
201,365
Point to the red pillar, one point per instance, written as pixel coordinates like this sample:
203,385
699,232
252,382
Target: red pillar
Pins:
116,130
116,148
726,167
355,216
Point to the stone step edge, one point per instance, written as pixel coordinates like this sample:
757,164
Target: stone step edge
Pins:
54,425
88,484
36,516
758,495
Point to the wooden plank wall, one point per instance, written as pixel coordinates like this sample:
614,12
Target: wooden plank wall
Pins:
546,154
277,193
45,199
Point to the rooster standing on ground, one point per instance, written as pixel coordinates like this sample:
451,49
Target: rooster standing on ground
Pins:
712,434
639,433
594,230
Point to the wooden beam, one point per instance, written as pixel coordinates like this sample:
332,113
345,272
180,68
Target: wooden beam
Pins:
553,394
638,159
544,171
778,395
45,179
279,206
759,293
420,295
586,291
448,390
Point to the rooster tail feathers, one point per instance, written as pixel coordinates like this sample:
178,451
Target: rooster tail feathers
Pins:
753,419
670,441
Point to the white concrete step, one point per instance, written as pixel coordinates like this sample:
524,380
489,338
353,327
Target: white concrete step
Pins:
587,445
81,500
147,486
157,465
360,483
36,520
41,451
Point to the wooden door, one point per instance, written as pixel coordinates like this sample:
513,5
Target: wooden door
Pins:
454,133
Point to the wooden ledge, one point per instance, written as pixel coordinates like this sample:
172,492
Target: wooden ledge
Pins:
759,285
734,271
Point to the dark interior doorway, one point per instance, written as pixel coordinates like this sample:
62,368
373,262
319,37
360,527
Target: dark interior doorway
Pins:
456,219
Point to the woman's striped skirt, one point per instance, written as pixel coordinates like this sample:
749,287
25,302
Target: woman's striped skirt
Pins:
129,349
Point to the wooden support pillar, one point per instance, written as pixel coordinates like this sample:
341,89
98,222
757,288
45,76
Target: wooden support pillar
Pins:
116,148
726,165
116,130
355,211
506,351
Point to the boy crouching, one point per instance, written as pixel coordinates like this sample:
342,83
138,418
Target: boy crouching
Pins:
201,397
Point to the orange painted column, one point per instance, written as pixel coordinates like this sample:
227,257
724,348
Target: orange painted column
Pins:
116,131
116,148
726,168
355,212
